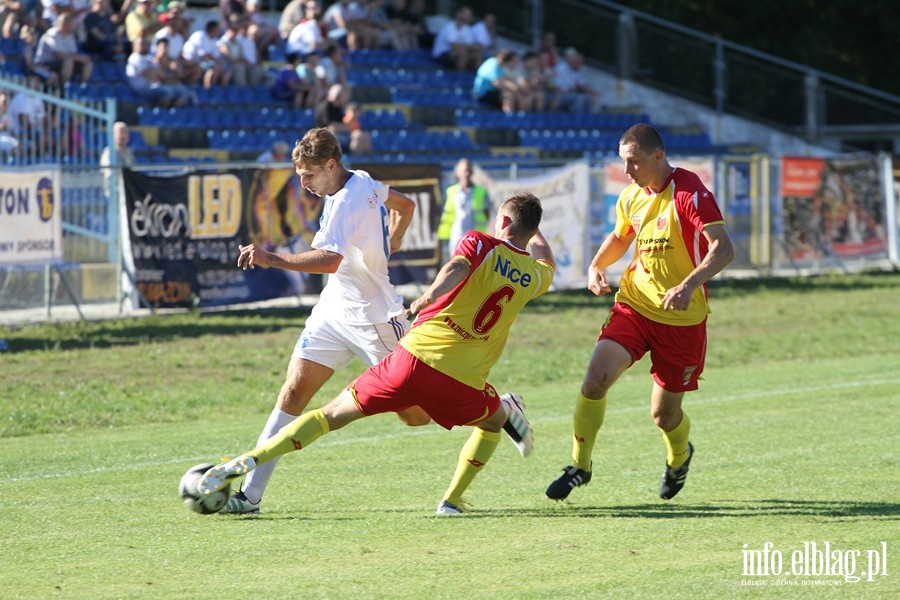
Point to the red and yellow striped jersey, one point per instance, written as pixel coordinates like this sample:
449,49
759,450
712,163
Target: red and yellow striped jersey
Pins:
464,332
669,244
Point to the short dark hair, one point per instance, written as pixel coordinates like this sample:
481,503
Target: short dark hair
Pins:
524,209
506,56
645,137
316,148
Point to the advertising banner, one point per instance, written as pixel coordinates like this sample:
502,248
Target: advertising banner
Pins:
564,195
30,218
418,259
183,232
832,209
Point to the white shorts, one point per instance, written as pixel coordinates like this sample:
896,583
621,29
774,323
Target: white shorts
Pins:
333,344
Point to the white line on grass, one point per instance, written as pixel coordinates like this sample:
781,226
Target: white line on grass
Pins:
434,430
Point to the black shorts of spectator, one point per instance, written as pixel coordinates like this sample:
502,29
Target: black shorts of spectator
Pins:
492,99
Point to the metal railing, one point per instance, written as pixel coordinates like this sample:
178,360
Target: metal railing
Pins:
722,75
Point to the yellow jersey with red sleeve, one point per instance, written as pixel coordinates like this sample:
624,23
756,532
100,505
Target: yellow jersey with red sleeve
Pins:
464,332
669,244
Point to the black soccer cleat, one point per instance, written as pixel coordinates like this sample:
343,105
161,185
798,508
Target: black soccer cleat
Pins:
571,478
673,479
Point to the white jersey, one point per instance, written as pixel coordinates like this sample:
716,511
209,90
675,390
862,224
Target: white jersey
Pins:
354,224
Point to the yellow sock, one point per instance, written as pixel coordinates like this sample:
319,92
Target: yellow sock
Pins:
587,420
474,454
677,442
294,436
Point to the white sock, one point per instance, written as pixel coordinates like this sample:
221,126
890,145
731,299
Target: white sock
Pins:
256,481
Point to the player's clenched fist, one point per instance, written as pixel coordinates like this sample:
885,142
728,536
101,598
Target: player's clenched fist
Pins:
252,256
597,282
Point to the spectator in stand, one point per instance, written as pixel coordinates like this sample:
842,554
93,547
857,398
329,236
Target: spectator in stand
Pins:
121,137
308,71
351,117
142,22
102,37
124,154
306,37
28,35
120,10
407,29
280,152
289,86
230,11
454,46
80,9
57,50
232,53
171,73
335,21
146,79
14,14
174,10
573,93
532,84
173,31
8,142
356,15
547,50
333,67
201,48
495,86
290,17
485,34
330,113
262,34
392,33
29,120
256,73
417,16
50,11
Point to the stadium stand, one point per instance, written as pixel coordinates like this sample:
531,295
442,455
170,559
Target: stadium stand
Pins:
414,109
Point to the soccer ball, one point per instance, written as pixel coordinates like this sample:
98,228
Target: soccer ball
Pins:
205,504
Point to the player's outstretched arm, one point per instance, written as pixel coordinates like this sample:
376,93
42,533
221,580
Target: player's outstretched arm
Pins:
314,261
450,276
540,249
612,249
402,208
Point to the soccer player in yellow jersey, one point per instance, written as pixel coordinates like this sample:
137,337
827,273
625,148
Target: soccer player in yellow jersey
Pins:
661,306
442,363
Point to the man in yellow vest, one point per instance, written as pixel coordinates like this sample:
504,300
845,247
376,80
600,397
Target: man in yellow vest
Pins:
466,207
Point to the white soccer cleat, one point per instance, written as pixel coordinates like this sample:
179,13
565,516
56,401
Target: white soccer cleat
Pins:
517,426
218,477
448,508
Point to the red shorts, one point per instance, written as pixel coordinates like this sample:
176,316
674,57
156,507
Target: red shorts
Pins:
677,352
401,380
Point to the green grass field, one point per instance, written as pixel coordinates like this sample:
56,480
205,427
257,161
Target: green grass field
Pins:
795,428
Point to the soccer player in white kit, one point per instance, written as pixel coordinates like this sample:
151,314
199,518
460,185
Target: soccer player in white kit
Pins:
358,313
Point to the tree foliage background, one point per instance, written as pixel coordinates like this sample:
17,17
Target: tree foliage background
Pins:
859,41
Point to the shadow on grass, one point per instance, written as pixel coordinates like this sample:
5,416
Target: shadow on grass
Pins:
758,508
724,288
153,329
